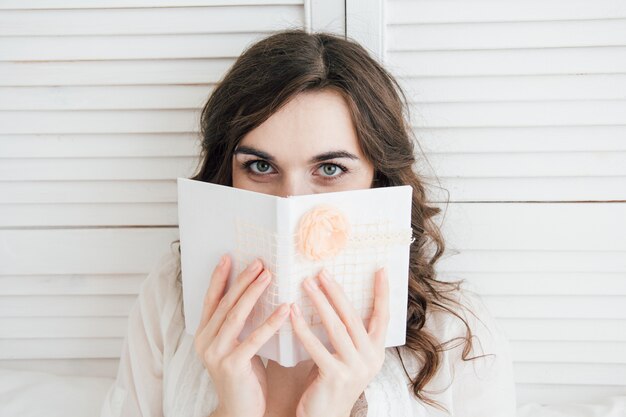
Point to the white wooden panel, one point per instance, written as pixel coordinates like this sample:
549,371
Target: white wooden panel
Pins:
36,192
593,60
559,394
68,48
530,189
523,102
100,145
76,284
569,352
109,121
544,284
507,35
66,306
365,23
132,97
97,121
557,307
536,227
409,11
522,139
128,72
565,373
588,112
149,214
103,4
61,348
516,87
126,47
71,367
535,260
64,327
149,21
572,164
564,330
83,251
97,168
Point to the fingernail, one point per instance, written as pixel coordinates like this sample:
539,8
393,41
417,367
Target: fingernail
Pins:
310,284
264,276
283,310
222,260
325,277
254,266
296,309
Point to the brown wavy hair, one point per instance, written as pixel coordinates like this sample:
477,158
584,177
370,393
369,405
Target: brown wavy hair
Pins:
274,70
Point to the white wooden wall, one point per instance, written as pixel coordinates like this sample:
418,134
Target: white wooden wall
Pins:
99,113
520,108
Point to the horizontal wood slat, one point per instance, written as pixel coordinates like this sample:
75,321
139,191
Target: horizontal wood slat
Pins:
148,214
536,227
566,373
84,251
76,284
532,396
539,61
100,145
409,11
506,88
59,169
63,327
105,4
112,192
81,48
514,114
506,35
227,19
128,72
543,284
133,97
591,330
105,121
93,367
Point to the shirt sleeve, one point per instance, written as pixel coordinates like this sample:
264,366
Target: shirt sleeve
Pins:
138,388
483,387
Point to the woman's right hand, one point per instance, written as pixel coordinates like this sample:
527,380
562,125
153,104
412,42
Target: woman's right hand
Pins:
235,369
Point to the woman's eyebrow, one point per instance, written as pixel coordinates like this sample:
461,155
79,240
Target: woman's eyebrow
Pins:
332,155
251,151
318,158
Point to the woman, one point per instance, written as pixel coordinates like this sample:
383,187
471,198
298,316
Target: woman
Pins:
298,114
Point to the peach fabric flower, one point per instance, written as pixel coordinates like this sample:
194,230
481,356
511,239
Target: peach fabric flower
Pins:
322,232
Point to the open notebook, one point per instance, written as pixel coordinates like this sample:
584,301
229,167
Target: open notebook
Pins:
350,233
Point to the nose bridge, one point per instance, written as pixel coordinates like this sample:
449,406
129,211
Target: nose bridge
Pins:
293,185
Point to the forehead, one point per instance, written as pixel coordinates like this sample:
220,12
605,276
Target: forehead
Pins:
309,124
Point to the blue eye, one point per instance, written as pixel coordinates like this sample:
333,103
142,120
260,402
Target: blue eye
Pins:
330,170
258,166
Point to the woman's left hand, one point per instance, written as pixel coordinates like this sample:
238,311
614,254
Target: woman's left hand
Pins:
337,380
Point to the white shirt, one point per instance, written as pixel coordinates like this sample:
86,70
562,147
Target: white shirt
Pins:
160,373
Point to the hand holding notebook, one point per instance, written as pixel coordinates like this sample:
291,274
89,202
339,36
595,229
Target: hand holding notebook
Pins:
350,234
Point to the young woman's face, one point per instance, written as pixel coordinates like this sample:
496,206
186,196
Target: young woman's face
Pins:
309,146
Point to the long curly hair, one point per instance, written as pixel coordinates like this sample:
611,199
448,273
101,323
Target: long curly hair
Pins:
274,70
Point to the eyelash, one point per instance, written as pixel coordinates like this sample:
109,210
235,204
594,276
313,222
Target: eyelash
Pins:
246,165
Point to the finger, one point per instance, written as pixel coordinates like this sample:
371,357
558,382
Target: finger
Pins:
344,308
379,321
237,316
336,330
249,347
215,291
230,298
320,355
